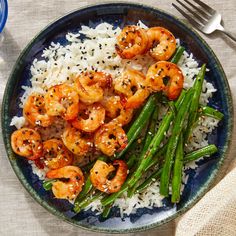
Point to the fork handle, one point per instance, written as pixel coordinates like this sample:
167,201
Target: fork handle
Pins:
233,37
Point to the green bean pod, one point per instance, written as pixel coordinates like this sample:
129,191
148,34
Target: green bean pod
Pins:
172,143
177,171
47,184
139,123
179,52
207,150
211,112
193,111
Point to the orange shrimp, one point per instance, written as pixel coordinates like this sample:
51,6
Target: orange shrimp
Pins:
62,100
55,154
167,77
132,84
115,110
111,104
34,111
131,42
76,141
99,176
163,43
110,138
125,116
71,183
90,86
90,117
27,143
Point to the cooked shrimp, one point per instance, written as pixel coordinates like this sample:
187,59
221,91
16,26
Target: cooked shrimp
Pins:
90,86
27,143
55,154
125,116
71,183
62,100
131,42
167,77
110,138
115,110
132,84
35,112
90,117
112,105
99,176
76,141
163,43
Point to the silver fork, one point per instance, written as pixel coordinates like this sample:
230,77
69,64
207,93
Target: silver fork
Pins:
203,17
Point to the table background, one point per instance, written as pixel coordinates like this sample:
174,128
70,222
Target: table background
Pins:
20,214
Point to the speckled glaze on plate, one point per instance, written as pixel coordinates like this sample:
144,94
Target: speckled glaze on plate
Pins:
120,14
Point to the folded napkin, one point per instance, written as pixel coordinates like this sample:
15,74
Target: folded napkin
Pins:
215,213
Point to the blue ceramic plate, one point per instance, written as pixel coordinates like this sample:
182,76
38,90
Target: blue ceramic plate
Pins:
120,14
3,14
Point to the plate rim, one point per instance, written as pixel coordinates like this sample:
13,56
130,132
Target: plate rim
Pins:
206,186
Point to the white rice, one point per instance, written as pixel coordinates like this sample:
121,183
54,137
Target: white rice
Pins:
97,52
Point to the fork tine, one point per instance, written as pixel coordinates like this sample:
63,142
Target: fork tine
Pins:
199,10
199,18
190,19
205,6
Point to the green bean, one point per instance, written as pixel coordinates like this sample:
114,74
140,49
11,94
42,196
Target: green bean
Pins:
47,184
139,123
211,112
173,141
151,130
207,150
155,175
106,211
111,198
86,189
85,202
131,161
192,156
148,139
177,171
179,52
156,158
193,111
171,105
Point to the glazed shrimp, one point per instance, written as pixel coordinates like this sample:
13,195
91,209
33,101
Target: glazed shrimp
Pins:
163,43
115,110
132,84
55,154
27,143
62,100
71,183
90,117
125,116
99,176
90,86
167,77
111,104
110,138
34,111
76,141
131,42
